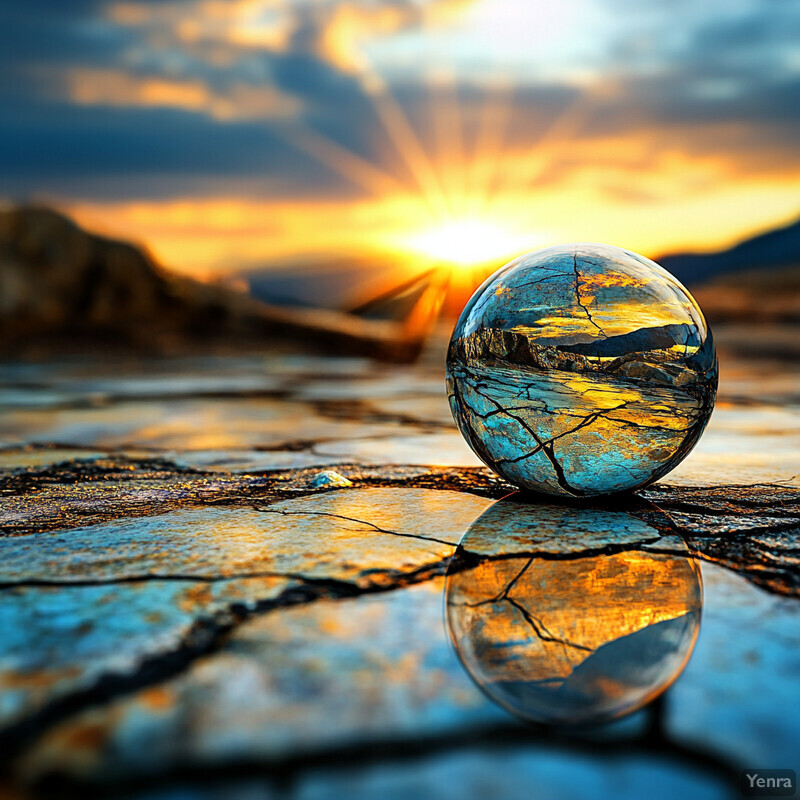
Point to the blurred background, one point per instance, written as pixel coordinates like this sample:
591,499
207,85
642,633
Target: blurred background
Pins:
378,158
217,217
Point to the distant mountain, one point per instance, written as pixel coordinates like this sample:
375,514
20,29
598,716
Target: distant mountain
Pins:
65,289
774,249
657,338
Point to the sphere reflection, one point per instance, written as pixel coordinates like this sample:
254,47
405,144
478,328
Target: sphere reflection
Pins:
557,633
581,370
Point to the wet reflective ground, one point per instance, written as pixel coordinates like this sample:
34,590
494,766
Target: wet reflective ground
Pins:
189,609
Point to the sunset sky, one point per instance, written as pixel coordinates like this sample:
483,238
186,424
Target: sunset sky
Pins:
231,134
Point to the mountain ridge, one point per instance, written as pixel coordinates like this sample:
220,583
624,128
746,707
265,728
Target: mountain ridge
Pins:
66,289
772,249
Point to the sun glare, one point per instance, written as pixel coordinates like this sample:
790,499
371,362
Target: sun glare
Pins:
464,242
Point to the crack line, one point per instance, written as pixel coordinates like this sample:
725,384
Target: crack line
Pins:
352,519
578,294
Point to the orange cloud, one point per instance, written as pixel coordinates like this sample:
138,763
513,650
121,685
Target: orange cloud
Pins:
341,28
594,281
118,88
216,32
351,25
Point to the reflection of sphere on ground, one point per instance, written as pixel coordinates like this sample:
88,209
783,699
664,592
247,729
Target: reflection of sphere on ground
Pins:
555,636
581,370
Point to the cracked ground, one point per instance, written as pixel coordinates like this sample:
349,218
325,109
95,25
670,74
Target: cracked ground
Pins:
225,577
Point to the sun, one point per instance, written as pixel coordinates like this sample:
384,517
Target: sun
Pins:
464,242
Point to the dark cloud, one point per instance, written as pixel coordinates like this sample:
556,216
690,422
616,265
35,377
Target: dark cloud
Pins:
65,148
731,74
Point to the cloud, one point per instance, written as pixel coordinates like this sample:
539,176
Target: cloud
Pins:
226,32
140,99
109,87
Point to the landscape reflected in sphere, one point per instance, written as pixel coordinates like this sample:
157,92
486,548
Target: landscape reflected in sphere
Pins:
581,370
560,638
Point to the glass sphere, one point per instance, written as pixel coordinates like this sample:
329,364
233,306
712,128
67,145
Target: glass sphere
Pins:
562,638
581,370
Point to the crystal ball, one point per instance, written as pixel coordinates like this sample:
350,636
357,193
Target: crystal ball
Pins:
556,634
581,370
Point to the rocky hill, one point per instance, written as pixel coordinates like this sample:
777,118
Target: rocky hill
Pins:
65,289
491,346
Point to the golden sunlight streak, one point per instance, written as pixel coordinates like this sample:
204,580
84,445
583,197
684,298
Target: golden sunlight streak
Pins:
467,242
203,236
406,141
464,182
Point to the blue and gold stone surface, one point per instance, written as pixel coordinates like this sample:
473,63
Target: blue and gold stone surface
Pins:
581,370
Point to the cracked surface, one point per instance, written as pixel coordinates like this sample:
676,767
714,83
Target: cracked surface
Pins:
215,621
590,381
354,536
